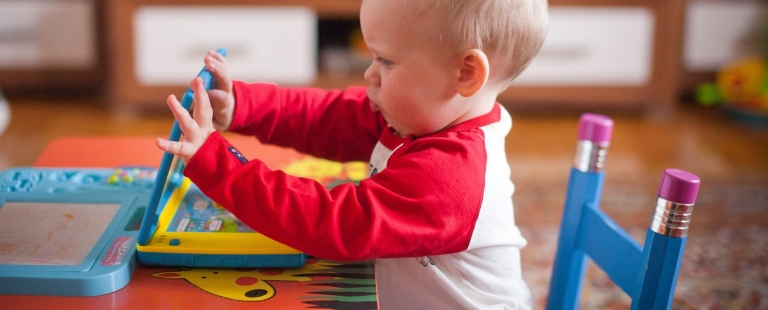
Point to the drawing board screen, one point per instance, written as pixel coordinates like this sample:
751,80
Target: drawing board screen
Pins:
44,233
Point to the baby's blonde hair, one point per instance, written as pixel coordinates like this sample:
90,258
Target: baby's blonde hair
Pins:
510,32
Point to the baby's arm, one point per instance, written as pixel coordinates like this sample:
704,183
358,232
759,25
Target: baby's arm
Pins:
313,121
420,205
331,124
196,128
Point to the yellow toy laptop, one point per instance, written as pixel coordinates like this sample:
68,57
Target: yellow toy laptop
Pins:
183,227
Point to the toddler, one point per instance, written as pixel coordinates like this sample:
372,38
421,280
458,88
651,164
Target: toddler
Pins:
436,213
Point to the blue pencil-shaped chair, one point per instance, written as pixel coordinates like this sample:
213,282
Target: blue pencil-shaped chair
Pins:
648,273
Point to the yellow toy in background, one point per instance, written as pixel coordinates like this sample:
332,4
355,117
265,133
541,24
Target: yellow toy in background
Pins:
741,87
742,83
745,82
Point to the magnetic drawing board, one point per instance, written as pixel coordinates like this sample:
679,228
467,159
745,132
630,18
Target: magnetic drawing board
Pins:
70,232
34,233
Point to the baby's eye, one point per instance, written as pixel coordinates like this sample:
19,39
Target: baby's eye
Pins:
383,61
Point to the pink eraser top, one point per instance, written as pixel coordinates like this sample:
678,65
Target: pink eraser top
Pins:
679,186
595,127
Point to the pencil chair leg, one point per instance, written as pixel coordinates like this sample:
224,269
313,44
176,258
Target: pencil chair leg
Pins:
666,238
584,188
570,261
647,274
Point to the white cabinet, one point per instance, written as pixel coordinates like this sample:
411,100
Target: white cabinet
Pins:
594,46
47,34
156,47
48,44
623,54
718,32
600,53
266,44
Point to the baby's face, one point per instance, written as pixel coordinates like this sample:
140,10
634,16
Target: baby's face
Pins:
412,76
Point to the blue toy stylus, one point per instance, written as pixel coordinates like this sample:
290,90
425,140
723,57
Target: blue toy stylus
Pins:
150,219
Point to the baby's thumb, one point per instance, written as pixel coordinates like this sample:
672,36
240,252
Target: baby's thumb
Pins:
221,79
218,98
169,146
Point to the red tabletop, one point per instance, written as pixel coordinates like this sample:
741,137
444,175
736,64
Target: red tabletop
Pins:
108,152
319,284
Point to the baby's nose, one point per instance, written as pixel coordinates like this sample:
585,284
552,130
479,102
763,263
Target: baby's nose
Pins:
372,76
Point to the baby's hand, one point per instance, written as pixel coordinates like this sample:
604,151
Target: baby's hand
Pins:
221,95
196,128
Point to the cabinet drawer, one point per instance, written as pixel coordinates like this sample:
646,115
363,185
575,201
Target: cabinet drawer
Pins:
594,46
47,35
270,44
718,32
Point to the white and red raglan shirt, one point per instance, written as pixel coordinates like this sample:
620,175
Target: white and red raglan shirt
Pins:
435,214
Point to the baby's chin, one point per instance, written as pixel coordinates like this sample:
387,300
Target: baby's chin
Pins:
395,129
405,131
397,133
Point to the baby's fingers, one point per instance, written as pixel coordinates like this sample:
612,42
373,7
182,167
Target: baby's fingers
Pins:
173,147
216,64
215,55
187,125
203,113
168,146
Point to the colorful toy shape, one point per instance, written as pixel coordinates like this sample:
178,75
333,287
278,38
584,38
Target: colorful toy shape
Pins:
742,83
245,284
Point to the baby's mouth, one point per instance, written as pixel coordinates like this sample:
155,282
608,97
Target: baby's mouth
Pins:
374,107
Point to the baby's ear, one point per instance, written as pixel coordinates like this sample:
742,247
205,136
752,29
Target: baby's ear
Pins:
473,72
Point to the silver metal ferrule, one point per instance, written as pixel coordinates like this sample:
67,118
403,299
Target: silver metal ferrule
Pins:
671,219
590,156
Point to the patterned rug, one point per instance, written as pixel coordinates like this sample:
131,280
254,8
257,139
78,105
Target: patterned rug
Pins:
725,265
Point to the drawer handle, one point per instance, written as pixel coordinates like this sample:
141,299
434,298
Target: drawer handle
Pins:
565,52
234,50
17,35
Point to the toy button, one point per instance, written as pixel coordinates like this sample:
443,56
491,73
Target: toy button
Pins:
174,242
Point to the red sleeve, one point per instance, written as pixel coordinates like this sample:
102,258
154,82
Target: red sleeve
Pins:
426,201
337,125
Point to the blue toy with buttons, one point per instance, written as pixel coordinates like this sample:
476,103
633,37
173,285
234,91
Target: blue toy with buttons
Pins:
70,232
75,180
